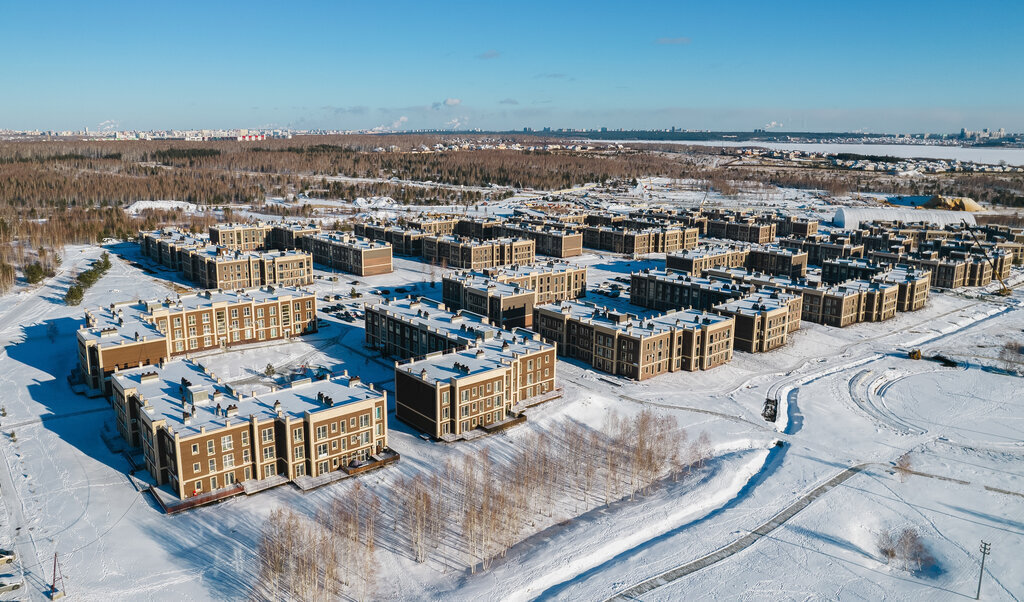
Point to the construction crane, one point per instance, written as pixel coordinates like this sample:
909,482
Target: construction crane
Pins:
1003,290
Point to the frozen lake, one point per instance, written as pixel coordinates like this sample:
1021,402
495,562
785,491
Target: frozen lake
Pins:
992,156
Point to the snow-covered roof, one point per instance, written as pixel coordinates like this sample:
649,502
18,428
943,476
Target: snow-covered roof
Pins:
850,218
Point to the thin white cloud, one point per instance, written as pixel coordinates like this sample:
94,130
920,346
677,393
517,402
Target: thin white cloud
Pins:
490,54
508,101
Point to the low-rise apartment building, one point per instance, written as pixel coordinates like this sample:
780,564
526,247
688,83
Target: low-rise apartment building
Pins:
639,242
634,347
552,281
241,236
219,267
349,253
142,333
554,242
435,225
288,235
836,271
474,254
167,246
763,320
913,283
506,305
656,289
821,248
403,241
449,393
695,261
199,435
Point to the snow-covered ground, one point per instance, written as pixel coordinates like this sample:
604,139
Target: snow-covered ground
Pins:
850,398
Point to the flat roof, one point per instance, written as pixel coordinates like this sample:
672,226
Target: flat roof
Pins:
223,254
121,322
593,314
757,303
461,326
350,240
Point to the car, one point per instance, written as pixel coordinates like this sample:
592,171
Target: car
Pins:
6,556
9,586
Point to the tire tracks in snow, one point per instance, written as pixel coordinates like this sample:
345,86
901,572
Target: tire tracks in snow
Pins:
634,592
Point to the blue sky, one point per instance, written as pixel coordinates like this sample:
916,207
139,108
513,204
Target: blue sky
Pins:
877,66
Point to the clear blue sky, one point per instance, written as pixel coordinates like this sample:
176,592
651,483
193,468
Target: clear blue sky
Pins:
877,66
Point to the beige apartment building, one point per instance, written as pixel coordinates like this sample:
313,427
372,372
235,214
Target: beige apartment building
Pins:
763,320
349,253
473,254
219,267
637,348
450,393
241,236
142,333
200,436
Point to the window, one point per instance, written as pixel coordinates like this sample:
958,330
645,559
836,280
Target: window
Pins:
209,447
352,422
268,435
245,455
245,437
380,430
334,444
300,452
355,440
321,450
195,468
248,473
199,486
297,434
268,453
364,420
465,396
334,427
213,483
227,443
377,412
195,448
228,461
321,432
300,470
213,464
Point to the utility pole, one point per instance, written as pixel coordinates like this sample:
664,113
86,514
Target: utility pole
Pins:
986,549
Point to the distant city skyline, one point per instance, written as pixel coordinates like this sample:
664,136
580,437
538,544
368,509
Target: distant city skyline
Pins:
878,67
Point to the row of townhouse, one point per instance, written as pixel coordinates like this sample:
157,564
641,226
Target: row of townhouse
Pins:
200,436
507,295
450,386
639,348
142,333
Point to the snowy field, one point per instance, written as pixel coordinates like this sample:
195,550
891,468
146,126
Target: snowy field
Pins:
850,398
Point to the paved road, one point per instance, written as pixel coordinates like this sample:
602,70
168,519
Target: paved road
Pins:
637,591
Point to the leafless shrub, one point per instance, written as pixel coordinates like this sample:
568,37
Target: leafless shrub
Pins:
903,467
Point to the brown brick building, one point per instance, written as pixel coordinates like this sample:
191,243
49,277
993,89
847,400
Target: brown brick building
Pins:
131,334
219,267
198,435
349,253
634,347
473,254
